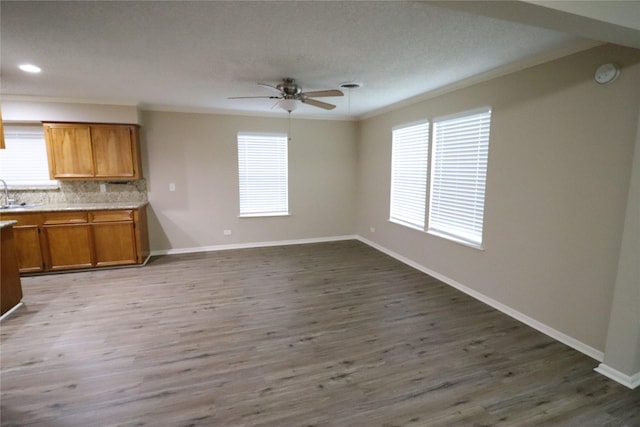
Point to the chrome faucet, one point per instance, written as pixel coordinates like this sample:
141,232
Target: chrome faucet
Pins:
7,200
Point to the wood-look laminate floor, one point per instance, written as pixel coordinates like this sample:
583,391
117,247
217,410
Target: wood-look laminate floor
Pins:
332,334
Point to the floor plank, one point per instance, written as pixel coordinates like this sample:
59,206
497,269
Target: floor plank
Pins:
331,334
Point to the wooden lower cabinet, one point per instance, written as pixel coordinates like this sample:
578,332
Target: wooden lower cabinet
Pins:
68,246
114,238
72,240
115,244
28,248
27,244
10,285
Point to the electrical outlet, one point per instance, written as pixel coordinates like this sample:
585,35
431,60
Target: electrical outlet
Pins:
372,229
103,188
227,232
172,186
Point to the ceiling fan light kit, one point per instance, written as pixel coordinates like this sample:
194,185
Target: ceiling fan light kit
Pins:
290,93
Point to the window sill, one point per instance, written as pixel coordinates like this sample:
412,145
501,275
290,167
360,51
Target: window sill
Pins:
52,187
264,215
405,224
456,240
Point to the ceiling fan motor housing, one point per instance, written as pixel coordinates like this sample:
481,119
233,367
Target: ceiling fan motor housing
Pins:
289,88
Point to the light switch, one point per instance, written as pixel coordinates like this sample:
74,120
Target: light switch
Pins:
172,186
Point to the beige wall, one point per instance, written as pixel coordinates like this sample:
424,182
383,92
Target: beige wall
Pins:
36,111
559,169
623,338
198,152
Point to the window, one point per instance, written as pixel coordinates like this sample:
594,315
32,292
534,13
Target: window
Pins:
459,170
24,161
262,170
409,162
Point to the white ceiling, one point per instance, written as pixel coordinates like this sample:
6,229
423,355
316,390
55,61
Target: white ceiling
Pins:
194,55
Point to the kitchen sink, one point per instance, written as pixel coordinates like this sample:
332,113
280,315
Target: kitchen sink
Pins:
20,206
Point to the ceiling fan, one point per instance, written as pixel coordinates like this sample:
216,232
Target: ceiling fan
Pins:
290,92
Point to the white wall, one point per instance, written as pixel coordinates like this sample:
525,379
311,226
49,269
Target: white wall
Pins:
559,169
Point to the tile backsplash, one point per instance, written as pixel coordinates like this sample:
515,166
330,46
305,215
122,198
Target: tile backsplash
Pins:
84,192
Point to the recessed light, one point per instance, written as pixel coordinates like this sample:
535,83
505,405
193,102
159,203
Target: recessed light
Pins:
30,68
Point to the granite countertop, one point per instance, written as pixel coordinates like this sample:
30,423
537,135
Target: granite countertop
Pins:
4,224
76,207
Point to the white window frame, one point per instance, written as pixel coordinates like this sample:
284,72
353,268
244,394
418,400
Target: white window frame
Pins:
263,174
23,163
459,161
409,174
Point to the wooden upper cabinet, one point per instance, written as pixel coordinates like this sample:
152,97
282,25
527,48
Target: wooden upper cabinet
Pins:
70,151
115,151
93,151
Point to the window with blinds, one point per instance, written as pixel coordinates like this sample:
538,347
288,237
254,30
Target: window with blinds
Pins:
459,171
262,170
24,161
409,163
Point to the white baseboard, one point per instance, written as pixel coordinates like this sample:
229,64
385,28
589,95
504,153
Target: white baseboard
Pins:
251,245
545,329
8,313
631,381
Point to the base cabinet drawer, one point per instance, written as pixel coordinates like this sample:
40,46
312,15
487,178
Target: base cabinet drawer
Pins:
111,216
65,218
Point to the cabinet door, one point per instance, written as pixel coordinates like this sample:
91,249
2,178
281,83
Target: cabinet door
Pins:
114,243
28,249
113,150
27,240
69,246
69,150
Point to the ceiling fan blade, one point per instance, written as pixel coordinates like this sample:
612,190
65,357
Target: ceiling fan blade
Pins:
317,103
269,86
321,93
254,97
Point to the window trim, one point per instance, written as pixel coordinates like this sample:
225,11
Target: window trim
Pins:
282,137
425,184
443,233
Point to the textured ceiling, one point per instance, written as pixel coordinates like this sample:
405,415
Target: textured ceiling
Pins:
194,55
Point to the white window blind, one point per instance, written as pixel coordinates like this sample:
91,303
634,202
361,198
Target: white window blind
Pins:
409,163
24,161
262,169
459,170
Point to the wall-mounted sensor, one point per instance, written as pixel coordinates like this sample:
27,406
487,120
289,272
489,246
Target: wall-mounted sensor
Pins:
607,73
